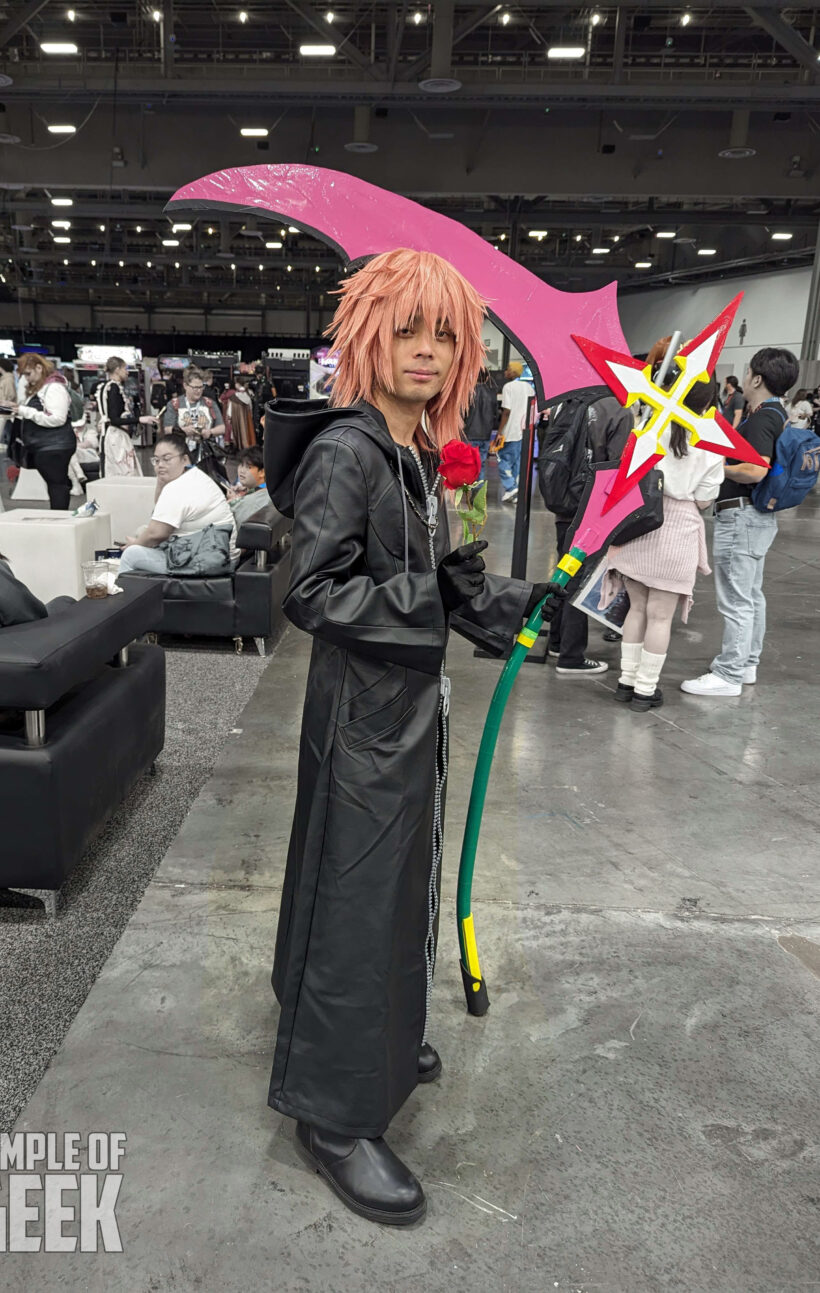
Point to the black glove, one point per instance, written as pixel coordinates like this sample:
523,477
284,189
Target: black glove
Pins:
539,591
460,575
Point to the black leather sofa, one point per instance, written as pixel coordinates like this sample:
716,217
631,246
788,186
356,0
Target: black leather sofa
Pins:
83,715
245,603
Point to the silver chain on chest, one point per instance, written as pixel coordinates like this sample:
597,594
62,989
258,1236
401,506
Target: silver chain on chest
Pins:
441,764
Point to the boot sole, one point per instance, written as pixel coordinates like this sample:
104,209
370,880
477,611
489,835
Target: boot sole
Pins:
370,1214
432,1075
644,709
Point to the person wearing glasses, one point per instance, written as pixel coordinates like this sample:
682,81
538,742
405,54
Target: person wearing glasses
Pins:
199,419
187,501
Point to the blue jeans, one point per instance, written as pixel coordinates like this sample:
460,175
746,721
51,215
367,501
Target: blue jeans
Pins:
742,538
509,465
146,561
482,446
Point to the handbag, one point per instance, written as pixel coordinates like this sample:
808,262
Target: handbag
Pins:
204,552
651,517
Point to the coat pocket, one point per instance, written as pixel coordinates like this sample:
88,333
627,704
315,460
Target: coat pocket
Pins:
369,727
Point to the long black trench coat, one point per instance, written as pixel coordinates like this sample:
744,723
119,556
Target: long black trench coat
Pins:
355,944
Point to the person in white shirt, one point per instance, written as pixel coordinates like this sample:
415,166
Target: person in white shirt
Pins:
515,397
659,569
187,501
44,409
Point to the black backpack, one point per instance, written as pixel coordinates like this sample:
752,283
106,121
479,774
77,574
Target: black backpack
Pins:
564,452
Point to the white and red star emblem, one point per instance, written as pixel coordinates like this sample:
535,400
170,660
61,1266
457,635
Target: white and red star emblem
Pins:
631,379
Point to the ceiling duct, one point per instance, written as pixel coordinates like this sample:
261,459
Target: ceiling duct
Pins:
441,79
739,146
360,143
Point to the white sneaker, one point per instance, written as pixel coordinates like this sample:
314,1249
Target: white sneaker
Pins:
709,684
749,675
509,495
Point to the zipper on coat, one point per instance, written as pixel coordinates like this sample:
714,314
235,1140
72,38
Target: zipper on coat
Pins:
441,769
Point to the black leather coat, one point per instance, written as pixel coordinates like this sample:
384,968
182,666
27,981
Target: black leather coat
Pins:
355,945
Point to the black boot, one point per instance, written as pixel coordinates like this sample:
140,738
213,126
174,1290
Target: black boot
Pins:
640,704
624,693
429,1063
366,1175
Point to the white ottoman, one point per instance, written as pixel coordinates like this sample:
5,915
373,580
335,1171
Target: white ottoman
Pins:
129,501
46,550
30,487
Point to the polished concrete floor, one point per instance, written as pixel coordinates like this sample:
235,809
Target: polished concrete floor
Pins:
639,1111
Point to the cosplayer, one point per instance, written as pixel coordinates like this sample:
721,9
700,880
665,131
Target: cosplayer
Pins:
374,582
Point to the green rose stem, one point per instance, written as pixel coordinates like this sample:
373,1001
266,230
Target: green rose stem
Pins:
475,987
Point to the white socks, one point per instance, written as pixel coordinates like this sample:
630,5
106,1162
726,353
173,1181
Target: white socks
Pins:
630,659
648,672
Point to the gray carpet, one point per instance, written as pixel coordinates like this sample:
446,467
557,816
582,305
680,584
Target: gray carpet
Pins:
48,967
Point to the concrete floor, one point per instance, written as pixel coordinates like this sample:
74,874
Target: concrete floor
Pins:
640,1109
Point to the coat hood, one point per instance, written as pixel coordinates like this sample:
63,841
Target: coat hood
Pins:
292,425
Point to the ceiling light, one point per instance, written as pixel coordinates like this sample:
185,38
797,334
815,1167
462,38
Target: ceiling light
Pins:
418,18
243,17
566,51
666,233
616,237
685,19
707,251
210,228
156,15
170,242
122,264
643,264
176,264
329,16
138,229
62,238
317,269
233,267
601,251
62,202
93,264
538,233
595,19
62,130
273,246
102,228
261,267
180,228
70,15
65,262
579,237
254,132
58,47
782,237
148,264
290,267
61,224
504,19
292,229
317,51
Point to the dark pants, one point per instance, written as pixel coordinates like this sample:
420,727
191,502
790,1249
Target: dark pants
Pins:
52,465
569,627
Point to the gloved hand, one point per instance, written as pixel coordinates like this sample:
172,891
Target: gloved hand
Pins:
550,608
460,575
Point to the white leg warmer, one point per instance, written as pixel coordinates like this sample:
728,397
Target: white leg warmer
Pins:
630,659
649,671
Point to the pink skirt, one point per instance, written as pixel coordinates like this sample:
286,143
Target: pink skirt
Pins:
669,558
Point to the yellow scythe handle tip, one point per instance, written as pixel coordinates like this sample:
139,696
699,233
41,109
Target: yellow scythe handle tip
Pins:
527,639
570,564
468,930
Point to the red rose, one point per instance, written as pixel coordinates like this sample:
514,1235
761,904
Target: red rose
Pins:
460,464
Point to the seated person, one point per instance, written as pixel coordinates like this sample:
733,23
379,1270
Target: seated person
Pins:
186,501
251,495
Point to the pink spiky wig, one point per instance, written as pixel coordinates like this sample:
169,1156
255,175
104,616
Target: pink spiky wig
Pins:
389,292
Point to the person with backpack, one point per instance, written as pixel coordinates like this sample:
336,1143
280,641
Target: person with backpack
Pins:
201,421
745,530
48,437
479,423
589,426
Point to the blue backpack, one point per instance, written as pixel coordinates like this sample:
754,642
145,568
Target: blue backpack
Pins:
794,470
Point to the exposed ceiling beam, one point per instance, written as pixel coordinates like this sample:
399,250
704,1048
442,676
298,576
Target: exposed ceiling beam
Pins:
19,20
419,65
246,90
786,36
621,21
396,34
344,47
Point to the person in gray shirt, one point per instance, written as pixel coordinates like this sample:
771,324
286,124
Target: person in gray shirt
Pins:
250,495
